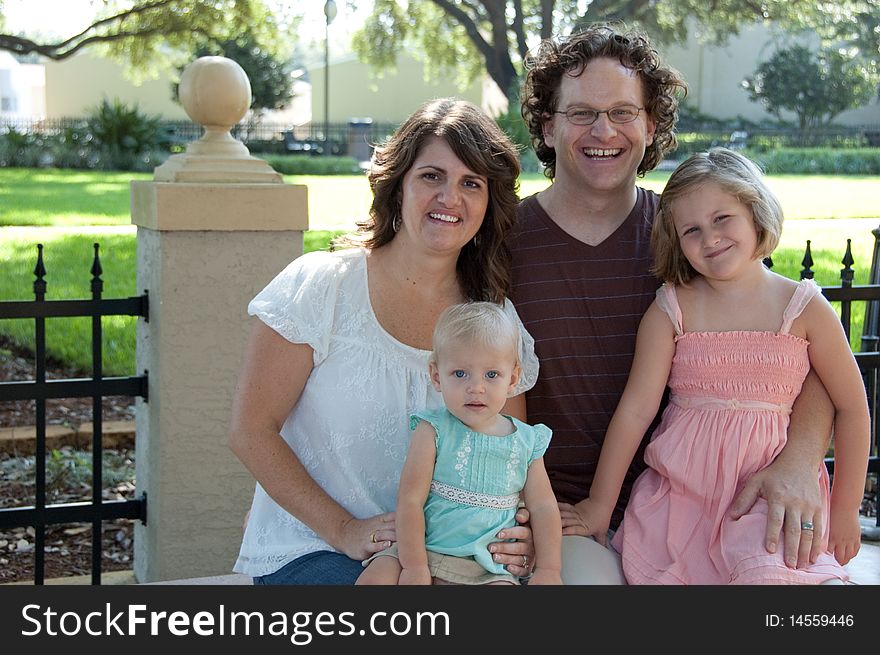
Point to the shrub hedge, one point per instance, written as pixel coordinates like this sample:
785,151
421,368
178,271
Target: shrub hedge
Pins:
818,161
308,165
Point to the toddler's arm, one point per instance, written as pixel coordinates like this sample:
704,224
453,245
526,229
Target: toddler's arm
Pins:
415,482
832,358
655,347
546,525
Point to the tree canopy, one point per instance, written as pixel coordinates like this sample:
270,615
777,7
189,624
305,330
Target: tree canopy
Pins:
269,75
147,33
471,36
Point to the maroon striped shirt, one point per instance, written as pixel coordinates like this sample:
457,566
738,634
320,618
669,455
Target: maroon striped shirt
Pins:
583,305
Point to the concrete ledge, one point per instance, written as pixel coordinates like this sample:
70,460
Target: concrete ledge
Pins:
108,578
230,579
22,440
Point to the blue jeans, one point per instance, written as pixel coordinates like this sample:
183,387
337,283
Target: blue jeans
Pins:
320,568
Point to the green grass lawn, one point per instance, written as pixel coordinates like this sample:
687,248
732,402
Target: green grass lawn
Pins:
68,197
89,207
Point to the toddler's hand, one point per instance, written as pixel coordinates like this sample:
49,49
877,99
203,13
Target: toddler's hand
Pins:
587,518
545,577
417,576
845,536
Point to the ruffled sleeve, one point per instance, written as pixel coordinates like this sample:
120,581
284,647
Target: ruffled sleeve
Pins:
299,303
542,440
437,419
527,357
667,300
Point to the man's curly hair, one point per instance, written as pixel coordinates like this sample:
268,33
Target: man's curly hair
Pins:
663,86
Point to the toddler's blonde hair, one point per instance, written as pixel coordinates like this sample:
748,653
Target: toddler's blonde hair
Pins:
476,323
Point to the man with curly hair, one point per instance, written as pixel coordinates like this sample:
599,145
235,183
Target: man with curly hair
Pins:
601,108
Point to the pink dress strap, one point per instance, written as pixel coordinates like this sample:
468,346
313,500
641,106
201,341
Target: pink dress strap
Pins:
801,297
667,300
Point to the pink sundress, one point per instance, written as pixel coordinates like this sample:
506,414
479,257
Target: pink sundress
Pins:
731,396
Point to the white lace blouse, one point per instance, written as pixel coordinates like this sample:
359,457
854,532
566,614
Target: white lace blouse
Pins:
350,427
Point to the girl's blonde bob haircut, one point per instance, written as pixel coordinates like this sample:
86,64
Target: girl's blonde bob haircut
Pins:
478,324
736,175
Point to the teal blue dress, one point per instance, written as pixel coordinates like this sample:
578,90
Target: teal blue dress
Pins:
477,483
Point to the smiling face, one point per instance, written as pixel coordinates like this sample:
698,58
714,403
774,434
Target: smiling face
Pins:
601,158
716,232
476,380
444,202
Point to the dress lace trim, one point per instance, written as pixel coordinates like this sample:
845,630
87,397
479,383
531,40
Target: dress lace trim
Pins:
472,498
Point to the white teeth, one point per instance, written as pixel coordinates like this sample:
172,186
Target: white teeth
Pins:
446,218
601,152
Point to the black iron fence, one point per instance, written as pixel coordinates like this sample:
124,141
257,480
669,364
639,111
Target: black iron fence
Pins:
868,357
97,387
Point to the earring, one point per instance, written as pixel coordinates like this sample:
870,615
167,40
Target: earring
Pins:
477,240
396,223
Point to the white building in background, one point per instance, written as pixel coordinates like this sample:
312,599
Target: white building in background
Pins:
715,73
75,87
22,88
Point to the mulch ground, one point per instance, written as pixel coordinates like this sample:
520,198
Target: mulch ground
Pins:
68,549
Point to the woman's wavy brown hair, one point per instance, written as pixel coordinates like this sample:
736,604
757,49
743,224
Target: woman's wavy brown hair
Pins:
484,262
663,86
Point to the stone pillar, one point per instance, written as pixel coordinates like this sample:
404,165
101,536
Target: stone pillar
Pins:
214,226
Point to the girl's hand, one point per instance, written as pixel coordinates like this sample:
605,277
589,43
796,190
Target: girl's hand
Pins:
587,519
517,556
417,576
845,536
362,538
545,577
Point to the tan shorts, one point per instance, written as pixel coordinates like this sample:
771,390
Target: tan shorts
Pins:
456,570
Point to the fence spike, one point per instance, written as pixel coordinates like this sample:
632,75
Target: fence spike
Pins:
96,264
807,263
847,272
40,273
97,282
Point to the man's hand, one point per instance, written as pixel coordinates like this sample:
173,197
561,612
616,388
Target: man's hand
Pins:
793,500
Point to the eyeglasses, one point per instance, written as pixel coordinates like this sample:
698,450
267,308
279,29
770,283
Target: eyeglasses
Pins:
620,114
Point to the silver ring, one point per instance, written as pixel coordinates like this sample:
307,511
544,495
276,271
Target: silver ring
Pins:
525,563
806,525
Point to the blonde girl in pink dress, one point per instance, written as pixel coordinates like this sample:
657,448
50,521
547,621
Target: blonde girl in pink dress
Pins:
733,341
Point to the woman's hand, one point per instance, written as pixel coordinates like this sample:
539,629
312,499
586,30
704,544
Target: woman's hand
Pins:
586,519
518,556
359,539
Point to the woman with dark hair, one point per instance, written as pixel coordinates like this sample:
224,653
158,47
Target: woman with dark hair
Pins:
338,360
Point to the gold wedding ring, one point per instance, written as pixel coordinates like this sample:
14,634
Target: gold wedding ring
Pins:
373,537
